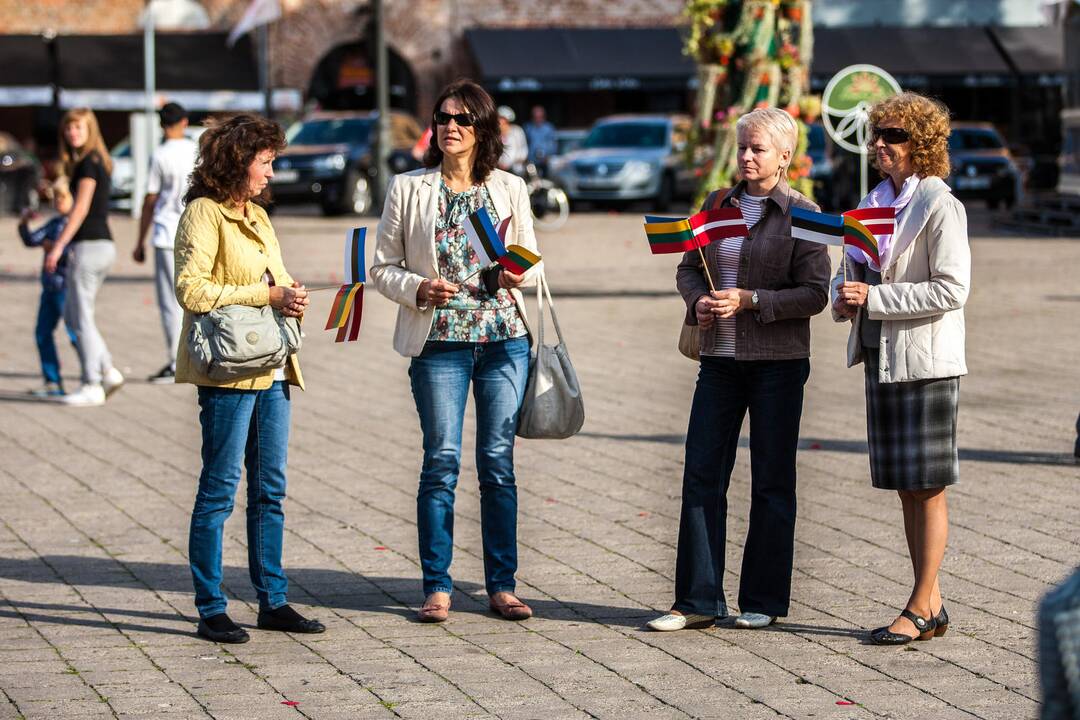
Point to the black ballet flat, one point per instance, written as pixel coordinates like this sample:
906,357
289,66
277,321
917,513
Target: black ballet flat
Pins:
220,628
941,622
926,629
285,619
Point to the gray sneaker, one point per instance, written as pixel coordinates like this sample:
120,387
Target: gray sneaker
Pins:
754,621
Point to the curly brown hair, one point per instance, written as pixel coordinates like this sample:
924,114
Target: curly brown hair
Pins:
489,144
927,121
226,150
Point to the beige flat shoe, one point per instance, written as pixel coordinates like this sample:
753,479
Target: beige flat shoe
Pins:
510,609
433,612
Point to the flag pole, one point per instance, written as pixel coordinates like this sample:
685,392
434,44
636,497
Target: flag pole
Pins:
705,267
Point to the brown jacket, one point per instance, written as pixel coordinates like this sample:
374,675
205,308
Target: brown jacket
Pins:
791,278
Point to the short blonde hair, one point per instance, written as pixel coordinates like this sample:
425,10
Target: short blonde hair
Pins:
927,122
777,123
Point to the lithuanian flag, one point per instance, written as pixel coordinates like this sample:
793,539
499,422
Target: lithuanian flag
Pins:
518,259
858,236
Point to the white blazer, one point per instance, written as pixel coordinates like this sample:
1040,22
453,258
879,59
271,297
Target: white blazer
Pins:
405,245
925,279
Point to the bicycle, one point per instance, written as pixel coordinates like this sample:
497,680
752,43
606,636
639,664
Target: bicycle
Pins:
549,203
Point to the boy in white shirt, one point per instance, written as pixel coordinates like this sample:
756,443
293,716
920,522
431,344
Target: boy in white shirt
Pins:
170,173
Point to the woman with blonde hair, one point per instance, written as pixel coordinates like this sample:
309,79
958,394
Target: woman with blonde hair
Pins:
755,358
92,252
907,328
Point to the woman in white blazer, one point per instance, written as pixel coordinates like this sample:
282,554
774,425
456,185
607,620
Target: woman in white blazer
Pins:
461,324
907,328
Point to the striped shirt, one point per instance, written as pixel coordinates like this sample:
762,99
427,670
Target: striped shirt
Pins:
728,252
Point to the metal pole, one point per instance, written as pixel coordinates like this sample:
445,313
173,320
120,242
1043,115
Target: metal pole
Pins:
382,105
150,72
863,172
264,69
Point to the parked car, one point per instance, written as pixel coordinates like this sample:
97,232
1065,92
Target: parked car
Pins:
629,157
19,173
123,172
329,160
982,166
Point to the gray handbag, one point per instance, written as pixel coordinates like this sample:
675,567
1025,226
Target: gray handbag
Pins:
553,408
236,341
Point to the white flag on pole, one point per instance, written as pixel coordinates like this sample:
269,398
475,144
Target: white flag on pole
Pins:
259,12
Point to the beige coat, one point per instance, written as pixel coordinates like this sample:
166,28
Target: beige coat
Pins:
925,278
222,256
405,246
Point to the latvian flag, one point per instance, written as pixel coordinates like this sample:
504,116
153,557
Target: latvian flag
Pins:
817,227
486,240
879,220
671,235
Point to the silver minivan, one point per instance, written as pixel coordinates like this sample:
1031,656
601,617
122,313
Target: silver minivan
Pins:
629,157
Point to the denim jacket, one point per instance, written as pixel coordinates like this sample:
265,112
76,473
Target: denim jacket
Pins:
790,276
51,281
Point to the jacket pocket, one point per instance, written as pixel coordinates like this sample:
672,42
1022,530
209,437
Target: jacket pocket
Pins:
770,261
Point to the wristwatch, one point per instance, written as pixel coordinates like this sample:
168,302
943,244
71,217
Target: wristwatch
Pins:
754,300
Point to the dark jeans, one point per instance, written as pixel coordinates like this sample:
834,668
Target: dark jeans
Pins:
50,310
772,390
241,429
441,376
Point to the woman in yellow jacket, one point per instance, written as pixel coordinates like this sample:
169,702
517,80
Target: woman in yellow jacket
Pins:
227,254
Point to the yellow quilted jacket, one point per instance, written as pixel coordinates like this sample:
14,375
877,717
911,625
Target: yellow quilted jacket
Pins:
222,256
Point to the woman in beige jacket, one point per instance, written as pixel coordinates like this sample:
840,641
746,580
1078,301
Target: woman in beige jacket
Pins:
907,328
462,324
227,254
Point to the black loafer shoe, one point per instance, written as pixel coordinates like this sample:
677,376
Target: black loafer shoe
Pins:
925,627
285,619
219,628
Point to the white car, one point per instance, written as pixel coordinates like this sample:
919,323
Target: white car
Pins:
123,173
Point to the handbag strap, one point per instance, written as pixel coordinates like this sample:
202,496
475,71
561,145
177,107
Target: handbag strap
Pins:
542,290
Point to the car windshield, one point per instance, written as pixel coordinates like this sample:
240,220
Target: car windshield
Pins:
627,135
122,149
330,132
975,139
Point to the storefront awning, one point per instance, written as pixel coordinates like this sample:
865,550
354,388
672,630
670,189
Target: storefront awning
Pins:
24,71
1033,50
913,55
577,59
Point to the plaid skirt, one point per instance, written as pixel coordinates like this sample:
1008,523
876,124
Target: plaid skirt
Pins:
911,430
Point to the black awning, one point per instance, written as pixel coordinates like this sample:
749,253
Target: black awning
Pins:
581,58
184,61
1033,50
24,61
939,52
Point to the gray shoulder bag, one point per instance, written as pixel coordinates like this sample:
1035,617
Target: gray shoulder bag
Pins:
553,408
237,341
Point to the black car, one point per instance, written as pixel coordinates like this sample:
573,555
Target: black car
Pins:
982,167
19,174
329,160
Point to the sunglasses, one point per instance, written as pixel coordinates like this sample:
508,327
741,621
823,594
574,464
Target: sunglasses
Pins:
891,135
462,119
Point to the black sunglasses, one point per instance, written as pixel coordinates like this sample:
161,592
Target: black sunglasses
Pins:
462,119
891,135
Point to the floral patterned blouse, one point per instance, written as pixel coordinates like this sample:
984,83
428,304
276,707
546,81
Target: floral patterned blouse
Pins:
473,315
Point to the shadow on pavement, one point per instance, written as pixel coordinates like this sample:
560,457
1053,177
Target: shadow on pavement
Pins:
858,447
336,589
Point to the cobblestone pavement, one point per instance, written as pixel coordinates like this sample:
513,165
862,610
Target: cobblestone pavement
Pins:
96,615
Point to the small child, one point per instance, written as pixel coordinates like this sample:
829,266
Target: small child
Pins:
51,308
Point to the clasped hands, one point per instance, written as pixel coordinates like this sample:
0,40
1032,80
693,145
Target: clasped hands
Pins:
850,296
438,292
290,301
721,304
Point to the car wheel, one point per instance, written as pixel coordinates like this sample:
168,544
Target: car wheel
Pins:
666,194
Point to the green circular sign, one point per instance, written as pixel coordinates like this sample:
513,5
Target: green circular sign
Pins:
847,99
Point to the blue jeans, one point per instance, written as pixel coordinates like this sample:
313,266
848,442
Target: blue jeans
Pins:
241,428
440,383
772,391
50,310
